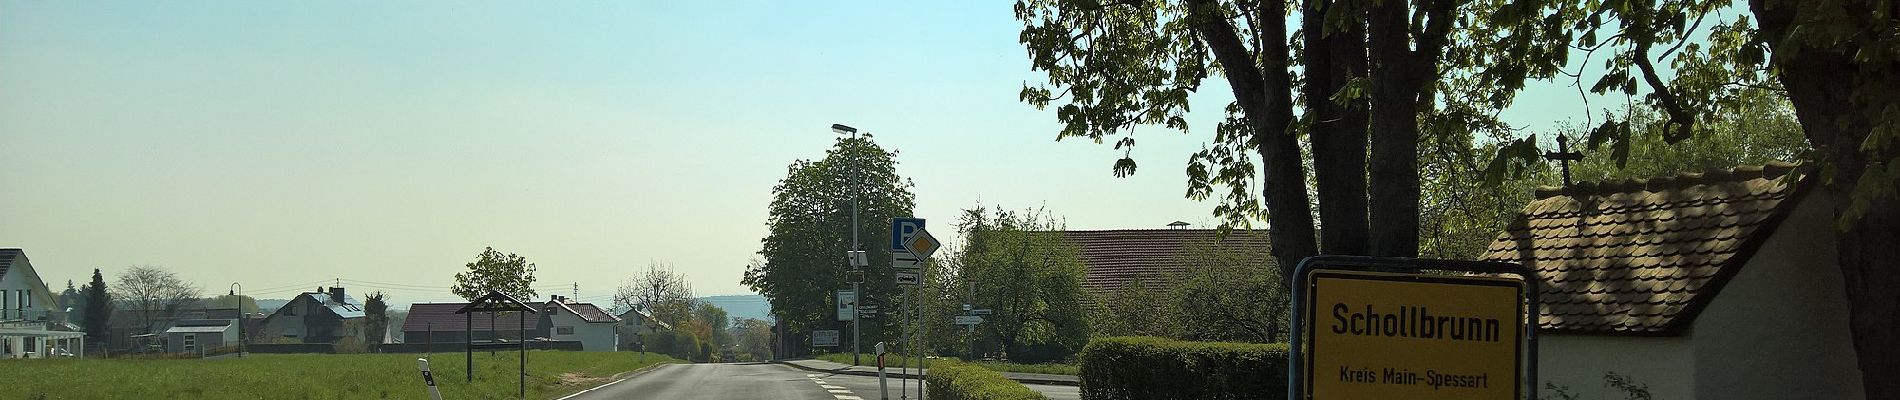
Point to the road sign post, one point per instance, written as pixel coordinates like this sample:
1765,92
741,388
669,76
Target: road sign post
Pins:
1382,328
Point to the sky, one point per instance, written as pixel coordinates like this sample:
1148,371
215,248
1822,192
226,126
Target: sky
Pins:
382,145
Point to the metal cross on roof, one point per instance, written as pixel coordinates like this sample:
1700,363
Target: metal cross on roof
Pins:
1564,156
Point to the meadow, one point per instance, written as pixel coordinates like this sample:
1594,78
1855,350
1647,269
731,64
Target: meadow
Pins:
551,374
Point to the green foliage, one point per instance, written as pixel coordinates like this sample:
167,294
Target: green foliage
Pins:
1229,295
247,304
376,312
809,224
950,380
1463,215
1019,265
1137,308
752,337
716,321
509,274
1126,368
98,308
290,376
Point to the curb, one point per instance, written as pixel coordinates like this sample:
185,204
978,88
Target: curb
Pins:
846,370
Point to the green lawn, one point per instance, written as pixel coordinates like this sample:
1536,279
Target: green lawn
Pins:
313,376
893,361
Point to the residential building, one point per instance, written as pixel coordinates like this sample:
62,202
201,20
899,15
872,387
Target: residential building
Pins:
27,317
635,324
438,323
200,335
1718,285
322,316
563,319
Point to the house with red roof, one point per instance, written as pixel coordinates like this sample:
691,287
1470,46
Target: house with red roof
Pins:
1716,285
564,319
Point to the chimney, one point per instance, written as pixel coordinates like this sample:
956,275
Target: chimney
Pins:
336,295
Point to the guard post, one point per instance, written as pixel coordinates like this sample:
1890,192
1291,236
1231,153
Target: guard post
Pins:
428,379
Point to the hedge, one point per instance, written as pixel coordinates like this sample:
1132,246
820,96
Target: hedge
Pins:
951,380
1129,368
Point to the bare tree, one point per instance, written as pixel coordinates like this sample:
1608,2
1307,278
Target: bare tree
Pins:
154,293
659,290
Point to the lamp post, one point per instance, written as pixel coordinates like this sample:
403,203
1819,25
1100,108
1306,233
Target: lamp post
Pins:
237,296
857,294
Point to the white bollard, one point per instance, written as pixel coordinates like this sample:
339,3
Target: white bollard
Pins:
883,389
428,379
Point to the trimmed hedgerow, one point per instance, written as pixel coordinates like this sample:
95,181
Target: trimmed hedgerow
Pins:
1142,367
950,380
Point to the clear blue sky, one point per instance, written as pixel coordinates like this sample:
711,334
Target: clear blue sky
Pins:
278,144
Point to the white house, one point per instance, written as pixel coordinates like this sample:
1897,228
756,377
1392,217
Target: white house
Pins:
200,335
565,320
1720,285
27,314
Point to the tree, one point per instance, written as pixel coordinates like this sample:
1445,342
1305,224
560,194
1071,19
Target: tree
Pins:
1136,308
659,290
752,338
509,274
809,224
1368,66
716,321
72,301
155,293
376,313
98,308
235,301
1019,265
1228,295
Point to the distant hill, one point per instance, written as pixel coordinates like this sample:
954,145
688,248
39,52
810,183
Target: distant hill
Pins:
743,306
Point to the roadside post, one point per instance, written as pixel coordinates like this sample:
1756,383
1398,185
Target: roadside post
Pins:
1402,328
428,379
883,389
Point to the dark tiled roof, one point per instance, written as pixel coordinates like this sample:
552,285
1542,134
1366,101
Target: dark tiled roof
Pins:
587,311
6,258
1116,257
441,317
1643,256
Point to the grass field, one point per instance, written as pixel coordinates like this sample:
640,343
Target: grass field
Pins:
313,376
893,361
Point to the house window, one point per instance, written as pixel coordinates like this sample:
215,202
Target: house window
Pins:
564,330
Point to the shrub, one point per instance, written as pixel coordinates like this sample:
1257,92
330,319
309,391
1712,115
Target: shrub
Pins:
950,380
1143,367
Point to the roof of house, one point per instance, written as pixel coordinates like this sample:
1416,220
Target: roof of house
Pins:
643,316
200,326
349,308
442,317
6,258
587,311
1116,257
1643,256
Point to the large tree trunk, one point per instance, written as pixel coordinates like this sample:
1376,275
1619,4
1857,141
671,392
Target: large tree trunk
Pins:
1395,100
1335,53
1264,93
1838,101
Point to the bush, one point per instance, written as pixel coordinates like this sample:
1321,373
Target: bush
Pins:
1143,367
950,380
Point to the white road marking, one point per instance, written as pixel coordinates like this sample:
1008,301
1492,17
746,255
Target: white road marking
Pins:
831,386
844,397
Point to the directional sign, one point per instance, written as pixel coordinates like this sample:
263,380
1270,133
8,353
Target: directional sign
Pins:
902,231
907,278
981,311
922,245
969,320
827,338
1380,335
847,304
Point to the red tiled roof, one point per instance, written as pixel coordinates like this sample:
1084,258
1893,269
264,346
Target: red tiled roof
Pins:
587,311
441,317
1643,256
1116,257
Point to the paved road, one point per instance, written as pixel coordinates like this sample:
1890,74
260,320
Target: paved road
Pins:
752,381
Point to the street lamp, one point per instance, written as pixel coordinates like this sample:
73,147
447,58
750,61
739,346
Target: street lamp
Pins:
237,296
857,293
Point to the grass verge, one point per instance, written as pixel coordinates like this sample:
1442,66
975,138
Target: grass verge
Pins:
315,376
